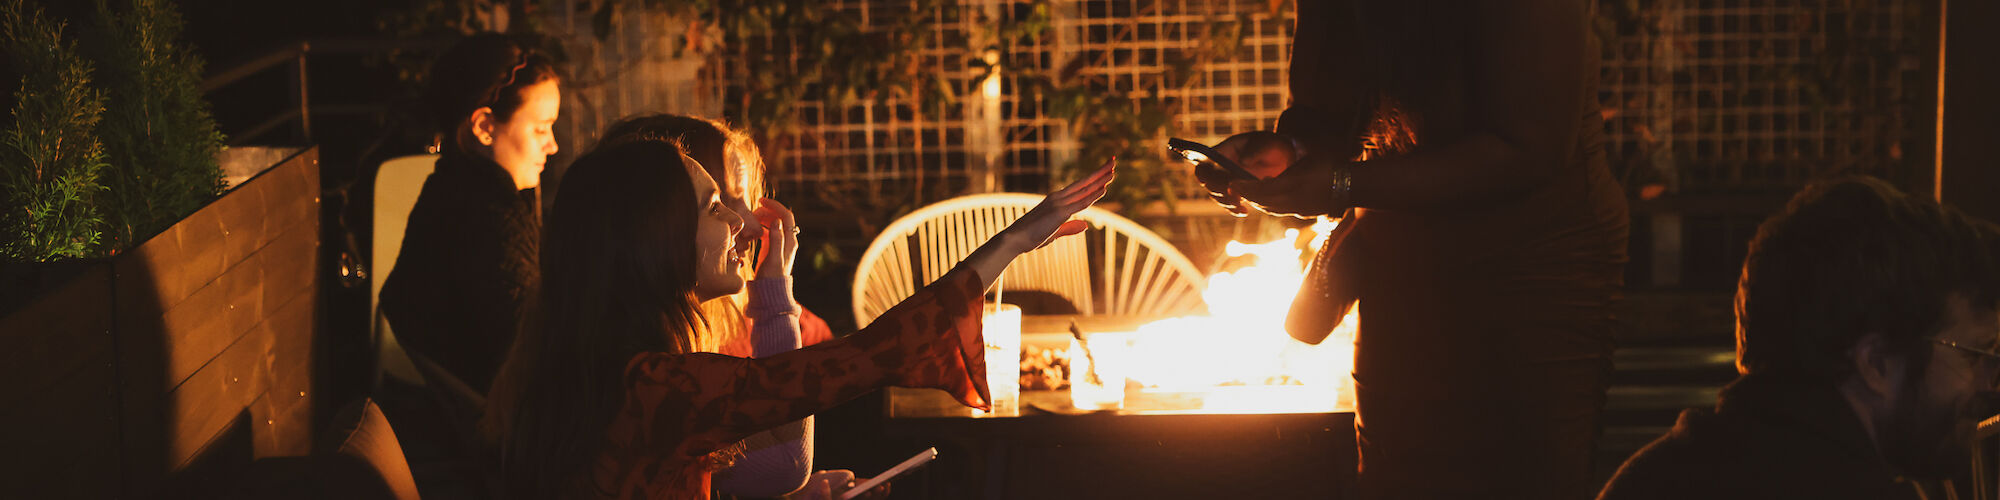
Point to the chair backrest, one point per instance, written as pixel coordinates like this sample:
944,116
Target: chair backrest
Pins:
1116,268
1986,459
397,185
362,434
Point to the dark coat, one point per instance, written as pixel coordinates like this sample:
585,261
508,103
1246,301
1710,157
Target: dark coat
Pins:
470,260
1764,439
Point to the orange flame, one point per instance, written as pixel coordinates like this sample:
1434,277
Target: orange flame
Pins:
1238,358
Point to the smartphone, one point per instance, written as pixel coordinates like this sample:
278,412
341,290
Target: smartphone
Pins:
1197,153
921,458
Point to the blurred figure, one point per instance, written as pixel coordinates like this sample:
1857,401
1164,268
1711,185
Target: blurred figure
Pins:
1483,236
770,322
611,395
1865,332
471,254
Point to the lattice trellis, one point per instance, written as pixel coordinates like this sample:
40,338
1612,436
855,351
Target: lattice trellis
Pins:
1702,96
996,139
1721,96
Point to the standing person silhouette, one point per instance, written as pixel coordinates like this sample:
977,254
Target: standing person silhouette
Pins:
1484,238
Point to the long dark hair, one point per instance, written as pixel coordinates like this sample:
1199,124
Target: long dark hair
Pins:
617,280
706,140
487,70
1413,52
710,143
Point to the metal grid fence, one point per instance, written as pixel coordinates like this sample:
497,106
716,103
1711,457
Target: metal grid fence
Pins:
1707,97
1700,96
995,138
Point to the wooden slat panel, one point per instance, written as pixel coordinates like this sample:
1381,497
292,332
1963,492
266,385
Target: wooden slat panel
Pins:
284,423
267,358
215,316
50,340
203,406
284,414
187,256
63,443
187,366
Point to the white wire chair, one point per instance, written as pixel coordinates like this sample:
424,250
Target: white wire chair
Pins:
1116,268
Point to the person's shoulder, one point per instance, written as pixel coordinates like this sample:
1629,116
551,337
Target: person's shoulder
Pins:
1686,462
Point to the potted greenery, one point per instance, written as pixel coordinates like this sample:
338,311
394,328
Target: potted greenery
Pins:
164,323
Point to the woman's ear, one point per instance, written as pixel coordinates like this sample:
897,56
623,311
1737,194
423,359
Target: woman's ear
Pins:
483,125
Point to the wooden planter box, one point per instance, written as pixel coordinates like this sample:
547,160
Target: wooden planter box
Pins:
193,350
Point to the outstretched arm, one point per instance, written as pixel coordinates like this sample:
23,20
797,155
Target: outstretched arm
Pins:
1044,223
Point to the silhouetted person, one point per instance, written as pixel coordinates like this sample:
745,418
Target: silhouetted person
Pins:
470,254
1865,328
1484,237
609,395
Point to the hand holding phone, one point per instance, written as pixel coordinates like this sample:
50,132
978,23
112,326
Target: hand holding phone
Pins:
921,458
1198,153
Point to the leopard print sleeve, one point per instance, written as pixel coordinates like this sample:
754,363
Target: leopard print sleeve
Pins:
694,404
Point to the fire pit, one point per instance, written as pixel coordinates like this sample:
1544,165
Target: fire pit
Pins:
1220,405
1236,359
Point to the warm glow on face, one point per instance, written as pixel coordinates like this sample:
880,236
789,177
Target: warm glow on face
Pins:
1238,359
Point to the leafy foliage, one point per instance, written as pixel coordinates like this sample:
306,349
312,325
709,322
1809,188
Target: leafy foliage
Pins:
158,134
50,156
439,19
784,53
1129,125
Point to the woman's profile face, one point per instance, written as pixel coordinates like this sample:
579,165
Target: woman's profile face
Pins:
717,266
523,143
735,197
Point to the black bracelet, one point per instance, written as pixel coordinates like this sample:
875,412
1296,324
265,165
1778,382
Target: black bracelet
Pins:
1343,191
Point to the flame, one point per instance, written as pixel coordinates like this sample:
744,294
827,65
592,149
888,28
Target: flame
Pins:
1237,359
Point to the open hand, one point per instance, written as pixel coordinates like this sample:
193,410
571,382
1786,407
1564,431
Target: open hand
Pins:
1050,218
1044,223
781,239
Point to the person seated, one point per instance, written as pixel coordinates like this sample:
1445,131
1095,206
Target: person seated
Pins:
734,161
469,256
1865,326
769,322
611,394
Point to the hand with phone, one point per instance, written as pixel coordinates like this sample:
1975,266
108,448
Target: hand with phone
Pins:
1276,184
1245,159
841,485
831,484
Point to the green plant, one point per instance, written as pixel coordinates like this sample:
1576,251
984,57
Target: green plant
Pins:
158,134
1129,125
50,156
777,55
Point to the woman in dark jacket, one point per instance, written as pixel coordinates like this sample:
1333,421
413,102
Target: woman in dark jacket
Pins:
470,257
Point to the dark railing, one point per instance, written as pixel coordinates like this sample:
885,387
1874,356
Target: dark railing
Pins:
293,59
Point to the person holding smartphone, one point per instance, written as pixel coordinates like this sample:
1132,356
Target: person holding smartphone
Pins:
1484,237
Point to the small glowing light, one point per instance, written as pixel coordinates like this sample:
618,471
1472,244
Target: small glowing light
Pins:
991,87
